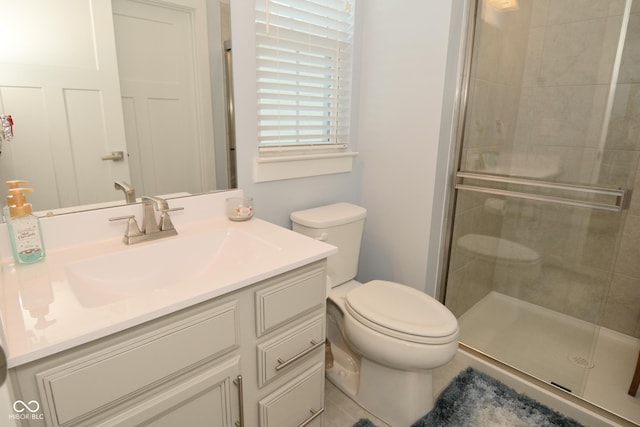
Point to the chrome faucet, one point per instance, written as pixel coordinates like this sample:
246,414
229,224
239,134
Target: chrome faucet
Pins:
129,192
149,223
152,229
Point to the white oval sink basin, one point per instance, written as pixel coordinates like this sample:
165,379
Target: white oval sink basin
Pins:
162,263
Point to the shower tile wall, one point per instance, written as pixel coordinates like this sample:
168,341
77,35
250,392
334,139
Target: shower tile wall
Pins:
621,310
622,306
499,56
551,100
570,58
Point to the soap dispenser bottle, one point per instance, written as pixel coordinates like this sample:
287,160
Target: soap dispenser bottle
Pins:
24,229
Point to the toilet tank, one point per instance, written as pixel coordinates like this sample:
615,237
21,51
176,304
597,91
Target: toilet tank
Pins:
340,225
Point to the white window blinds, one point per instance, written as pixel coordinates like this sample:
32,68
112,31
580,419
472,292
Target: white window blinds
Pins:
304,51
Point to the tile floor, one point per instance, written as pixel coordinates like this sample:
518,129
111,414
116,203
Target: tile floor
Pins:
340,411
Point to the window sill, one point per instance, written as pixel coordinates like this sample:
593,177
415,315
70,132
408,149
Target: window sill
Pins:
276,168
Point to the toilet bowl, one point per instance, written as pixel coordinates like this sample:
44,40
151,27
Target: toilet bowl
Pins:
386,337
399,327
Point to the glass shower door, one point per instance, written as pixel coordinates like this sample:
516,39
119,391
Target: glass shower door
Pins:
550,145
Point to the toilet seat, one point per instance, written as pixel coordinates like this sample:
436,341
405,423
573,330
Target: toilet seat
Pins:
401,312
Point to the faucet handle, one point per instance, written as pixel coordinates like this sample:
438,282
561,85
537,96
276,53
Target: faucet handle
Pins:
132,227
165,219
173,209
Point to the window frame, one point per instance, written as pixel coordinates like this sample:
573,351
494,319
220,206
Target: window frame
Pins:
277,161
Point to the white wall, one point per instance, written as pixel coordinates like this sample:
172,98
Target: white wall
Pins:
401,88
402,85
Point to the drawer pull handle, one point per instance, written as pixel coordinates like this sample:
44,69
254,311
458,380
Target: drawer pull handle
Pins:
314,414
238,382
284,363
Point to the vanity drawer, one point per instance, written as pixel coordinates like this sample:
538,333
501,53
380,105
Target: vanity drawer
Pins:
99,381
283,352
289,296
297,403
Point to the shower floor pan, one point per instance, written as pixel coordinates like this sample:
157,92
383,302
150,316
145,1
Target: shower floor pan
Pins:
590,361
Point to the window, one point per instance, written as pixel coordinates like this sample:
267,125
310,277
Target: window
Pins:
304,61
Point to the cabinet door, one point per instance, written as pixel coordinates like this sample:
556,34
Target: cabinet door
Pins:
285,351
289,296
297,403
208,398
133,367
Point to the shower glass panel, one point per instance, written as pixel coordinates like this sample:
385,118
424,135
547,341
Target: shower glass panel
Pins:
550,143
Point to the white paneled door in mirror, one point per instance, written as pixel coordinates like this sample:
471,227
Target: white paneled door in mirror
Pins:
60,84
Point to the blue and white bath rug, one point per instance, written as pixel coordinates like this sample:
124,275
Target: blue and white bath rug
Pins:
474,399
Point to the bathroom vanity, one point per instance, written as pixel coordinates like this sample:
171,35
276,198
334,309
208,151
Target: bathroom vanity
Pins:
236,338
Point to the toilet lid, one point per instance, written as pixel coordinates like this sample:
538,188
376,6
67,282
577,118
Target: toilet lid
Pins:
402,312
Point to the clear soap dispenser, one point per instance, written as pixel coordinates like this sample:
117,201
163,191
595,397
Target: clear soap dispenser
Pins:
24,228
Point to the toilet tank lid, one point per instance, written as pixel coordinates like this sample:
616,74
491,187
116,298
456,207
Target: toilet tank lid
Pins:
329,215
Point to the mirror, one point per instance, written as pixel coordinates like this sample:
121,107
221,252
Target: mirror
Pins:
135,91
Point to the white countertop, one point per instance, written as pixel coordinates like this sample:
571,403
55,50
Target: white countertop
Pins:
44,312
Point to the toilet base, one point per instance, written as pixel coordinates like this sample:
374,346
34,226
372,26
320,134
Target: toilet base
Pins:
344,373
399,398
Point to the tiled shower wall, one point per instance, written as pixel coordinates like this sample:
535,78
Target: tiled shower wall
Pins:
496,82
621,309
563,114
551,99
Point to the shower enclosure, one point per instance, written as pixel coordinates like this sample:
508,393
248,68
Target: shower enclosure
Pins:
544,264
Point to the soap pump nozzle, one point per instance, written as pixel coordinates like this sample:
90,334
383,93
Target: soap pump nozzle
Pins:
19,205
16,183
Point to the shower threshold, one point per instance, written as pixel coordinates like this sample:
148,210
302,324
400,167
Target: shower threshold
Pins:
593,362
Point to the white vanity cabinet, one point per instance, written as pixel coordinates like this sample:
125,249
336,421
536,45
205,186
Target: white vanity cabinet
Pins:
253,356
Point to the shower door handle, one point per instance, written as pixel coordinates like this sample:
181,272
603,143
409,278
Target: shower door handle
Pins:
622,196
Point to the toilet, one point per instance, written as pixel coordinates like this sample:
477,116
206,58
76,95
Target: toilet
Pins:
385,337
